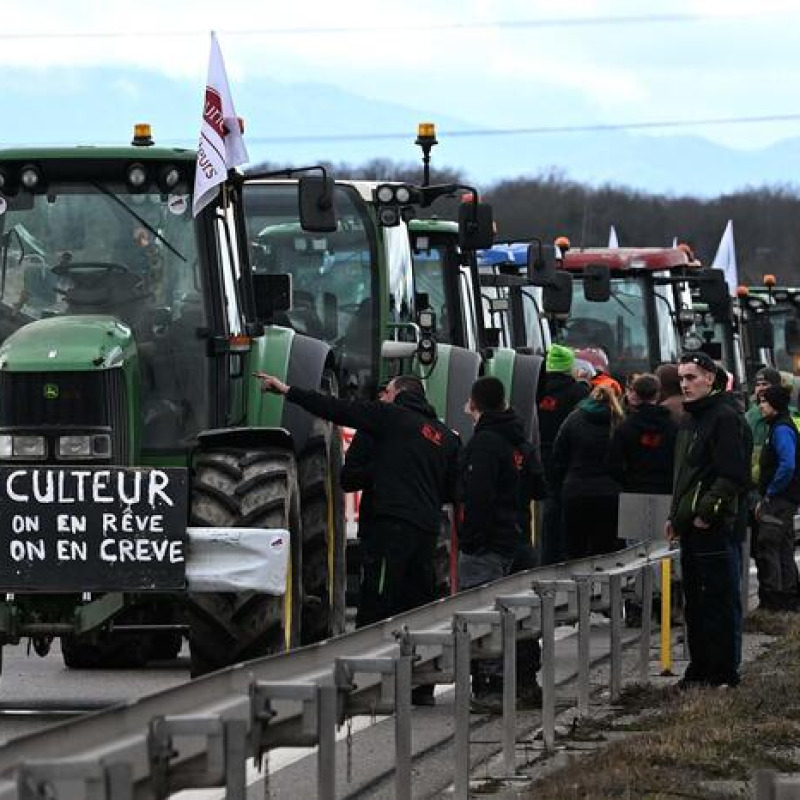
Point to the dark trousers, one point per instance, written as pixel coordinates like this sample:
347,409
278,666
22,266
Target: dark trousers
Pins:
710,570
397,570
477,569
554,542
591,525
775,564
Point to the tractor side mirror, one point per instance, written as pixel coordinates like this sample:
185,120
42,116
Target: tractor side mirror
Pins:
713,288
761,332
557,296
597,283
272,293
317,211
475,226
541,266
791,332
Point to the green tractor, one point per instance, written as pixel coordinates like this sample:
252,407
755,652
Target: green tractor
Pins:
129,335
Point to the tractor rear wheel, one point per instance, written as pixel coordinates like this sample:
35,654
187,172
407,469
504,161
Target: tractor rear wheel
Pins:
245,488
322,504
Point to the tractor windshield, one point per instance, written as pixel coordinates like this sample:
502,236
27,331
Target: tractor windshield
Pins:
87,248
618,326
333,274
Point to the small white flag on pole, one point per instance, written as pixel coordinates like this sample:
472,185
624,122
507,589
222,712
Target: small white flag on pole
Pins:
613,242
725,259
674,241
221,146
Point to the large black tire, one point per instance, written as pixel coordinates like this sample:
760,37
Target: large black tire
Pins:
324,534
245,488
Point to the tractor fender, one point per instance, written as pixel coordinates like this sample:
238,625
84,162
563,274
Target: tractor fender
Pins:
519,373
449,384
298,361
245,438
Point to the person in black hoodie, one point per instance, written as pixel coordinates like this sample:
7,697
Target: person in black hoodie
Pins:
589,493
642,453
779,490
500,475
559,395
711,482
414,473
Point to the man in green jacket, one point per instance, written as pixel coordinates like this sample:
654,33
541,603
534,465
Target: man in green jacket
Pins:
711,480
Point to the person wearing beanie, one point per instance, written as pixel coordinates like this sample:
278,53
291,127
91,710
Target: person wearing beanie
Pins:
759,425
560,359
711,483
559,394
779,490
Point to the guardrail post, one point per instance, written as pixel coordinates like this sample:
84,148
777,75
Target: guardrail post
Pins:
461,711
666,617
615,682
647,624
764,784
547,594
402,720
508,623
225,759
584,592
327,717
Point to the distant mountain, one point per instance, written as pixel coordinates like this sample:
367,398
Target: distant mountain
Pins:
101,105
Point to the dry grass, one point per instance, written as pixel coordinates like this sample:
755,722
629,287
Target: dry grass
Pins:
679,742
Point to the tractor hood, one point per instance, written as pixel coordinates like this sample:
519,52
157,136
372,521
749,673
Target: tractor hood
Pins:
74,344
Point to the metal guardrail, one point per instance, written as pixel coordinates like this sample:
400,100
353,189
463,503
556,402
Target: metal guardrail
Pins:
772,785
202,733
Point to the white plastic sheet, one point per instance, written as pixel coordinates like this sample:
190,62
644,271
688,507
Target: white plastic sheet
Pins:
238,559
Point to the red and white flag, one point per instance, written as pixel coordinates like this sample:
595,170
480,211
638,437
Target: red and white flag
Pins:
221,145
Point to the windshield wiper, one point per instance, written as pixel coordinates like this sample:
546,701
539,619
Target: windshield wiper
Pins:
139,219
616,297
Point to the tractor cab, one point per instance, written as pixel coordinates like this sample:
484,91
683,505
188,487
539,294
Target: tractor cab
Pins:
626,304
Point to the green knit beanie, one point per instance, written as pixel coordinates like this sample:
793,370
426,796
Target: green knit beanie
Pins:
559,358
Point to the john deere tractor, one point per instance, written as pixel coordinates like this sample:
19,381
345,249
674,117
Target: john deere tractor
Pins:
129,338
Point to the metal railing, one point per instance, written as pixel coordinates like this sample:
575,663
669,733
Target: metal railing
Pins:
201,734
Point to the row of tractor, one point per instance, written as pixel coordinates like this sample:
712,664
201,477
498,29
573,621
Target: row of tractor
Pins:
130,332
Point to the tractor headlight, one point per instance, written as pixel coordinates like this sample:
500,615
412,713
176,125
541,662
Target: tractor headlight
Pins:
22,447
389,216
403,195
385,193
137,177
169,178
29,177
84,446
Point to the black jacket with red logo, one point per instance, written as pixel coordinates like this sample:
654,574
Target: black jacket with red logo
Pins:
559,396
500,475
642,451
415,463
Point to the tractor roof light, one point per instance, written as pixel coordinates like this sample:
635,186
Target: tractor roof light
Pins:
30,177
426,134
3,180
769,281
562,243
402,195
142,135
137,177
742,291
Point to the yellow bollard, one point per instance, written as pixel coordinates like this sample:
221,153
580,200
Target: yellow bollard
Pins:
666,616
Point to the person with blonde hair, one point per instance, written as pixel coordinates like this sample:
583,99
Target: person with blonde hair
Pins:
589,494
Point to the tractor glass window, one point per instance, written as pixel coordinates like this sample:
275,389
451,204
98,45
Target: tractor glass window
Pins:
618,327
535,332
92,248
334,275
431,262
668,337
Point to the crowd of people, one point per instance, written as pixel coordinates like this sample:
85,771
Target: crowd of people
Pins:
679,432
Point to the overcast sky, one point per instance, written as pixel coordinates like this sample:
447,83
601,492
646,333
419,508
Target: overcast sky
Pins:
491,64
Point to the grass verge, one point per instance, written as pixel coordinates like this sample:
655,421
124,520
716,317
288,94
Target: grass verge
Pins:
701,743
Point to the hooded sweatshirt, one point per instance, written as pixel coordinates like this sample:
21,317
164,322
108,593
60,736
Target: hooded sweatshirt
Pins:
643,450
561,393
500,475
415,457
580,453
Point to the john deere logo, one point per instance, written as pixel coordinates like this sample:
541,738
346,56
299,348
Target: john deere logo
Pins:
50,391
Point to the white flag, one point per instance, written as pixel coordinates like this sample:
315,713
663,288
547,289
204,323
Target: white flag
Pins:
221,145
613,242
725,259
